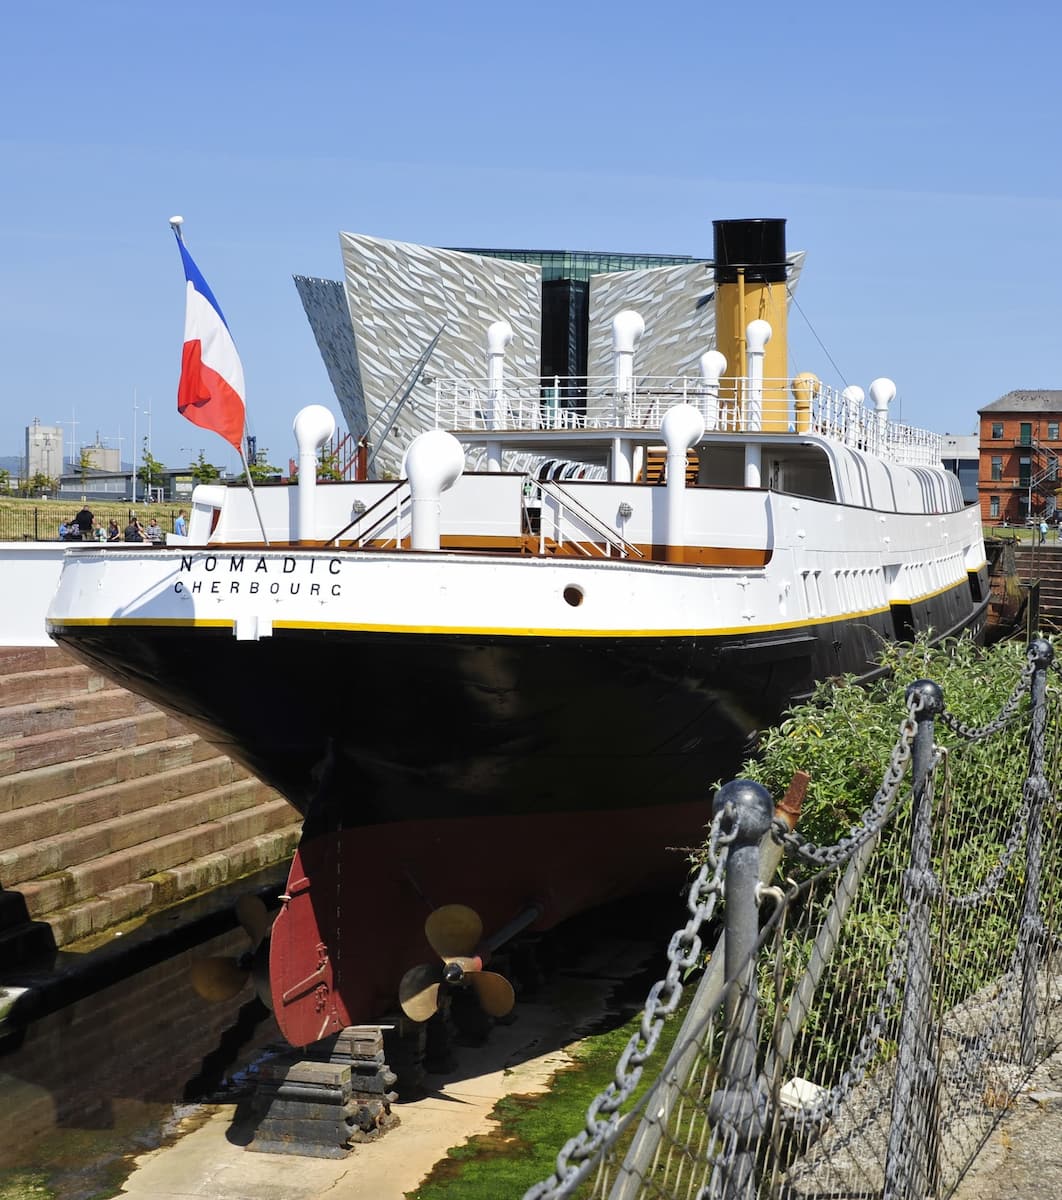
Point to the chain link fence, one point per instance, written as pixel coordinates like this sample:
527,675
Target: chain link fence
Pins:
868,1016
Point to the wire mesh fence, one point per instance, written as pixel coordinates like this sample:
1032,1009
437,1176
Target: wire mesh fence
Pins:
874,1005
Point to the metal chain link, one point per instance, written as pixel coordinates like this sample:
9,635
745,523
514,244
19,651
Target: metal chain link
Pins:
976,733
1010,847
874,817
576,1158
869,1044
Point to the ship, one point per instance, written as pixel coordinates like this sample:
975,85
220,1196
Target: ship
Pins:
500,686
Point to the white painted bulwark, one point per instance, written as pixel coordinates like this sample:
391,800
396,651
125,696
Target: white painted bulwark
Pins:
30,571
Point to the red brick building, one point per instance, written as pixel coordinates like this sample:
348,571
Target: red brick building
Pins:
1020,444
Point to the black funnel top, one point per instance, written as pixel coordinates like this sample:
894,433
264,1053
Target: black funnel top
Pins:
757,245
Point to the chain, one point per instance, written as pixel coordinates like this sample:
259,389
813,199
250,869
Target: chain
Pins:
873,819
576,1158
976,733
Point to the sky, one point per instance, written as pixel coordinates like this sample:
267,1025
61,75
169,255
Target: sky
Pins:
915,151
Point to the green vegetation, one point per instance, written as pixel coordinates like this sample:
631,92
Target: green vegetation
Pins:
39,520
523,1149
843,738
843,735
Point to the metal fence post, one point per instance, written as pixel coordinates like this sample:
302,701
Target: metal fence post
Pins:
1040,654
738,1104
909,1171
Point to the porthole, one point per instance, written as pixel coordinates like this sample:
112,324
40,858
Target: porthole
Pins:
573,595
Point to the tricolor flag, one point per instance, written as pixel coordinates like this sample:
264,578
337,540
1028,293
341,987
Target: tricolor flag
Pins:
210,393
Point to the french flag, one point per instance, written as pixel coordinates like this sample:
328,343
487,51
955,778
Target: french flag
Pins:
210,393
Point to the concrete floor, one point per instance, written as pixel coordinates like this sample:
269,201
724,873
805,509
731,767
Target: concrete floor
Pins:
209,1161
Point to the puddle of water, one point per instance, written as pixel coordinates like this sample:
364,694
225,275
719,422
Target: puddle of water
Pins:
87,1088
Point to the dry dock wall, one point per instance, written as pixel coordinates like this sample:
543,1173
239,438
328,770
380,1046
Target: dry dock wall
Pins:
109,810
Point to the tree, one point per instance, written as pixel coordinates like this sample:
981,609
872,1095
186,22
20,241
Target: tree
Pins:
5,481
328,466
150,474
84,465
203,471
263,472
40,485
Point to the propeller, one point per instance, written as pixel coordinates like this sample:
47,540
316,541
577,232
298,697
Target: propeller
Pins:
454,933
222,977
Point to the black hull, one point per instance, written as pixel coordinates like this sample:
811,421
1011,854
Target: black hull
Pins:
363,728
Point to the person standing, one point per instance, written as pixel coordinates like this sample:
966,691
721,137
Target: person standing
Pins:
180,526
86,522
1043,532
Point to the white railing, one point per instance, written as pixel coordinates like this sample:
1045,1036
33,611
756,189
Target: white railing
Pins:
467,405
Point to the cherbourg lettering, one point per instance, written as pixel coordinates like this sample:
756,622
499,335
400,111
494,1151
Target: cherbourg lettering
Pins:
258,575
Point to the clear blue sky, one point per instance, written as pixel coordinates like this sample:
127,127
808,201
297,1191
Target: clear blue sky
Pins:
913,148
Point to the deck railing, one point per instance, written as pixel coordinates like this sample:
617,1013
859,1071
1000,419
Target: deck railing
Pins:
734,405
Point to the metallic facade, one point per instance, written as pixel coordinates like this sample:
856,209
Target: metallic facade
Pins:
400,296
375,329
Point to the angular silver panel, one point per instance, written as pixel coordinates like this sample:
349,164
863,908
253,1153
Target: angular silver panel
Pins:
677,304
325,304
400,296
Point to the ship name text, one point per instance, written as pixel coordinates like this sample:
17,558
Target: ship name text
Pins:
255,575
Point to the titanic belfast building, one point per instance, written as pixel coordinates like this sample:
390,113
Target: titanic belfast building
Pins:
407,320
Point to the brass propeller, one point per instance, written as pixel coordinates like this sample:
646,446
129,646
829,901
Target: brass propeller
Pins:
454,933
222,977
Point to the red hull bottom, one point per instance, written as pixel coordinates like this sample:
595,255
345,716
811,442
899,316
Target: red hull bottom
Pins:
352,920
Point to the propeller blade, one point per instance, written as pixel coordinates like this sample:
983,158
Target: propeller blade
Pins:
494,991
217,979
253,915
418,992
260,975
453,930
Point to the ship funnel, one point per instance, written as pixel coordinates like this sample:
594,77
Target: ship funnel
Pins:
682,428
434,462
750,273
313,426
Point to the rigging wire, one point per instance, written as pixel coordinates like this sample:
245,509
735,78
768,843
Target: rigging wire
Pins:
822,347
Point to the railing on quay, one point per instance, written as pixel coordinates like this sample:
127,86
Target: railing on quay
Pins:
863,1024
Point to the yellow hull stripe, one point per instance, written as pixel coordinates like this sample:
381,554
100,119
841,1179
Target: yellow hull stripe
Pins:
490,631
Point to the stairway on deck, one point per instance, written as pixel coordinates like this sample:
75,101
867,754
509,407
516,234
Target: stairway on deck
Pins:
110,810
1044,563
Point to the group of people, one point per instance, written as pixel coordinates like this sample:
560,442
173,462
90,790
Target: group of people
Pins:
82,528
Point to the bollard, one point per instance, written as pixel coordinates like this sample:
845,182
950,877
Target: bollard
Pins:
739,1101
910,1164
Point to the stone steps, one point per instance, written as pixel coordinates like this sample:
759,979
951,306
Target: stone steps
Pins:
115,906
1043,564
110,810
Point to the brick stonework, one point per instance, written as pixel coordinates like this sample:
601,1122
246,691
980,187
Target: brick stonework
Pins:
110,810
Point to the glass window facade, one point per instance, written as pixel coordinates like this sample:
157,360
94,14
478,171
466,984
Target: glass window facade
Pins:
581,264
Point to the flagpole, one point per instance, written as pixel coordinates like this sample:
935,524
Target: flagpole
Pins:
254,495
